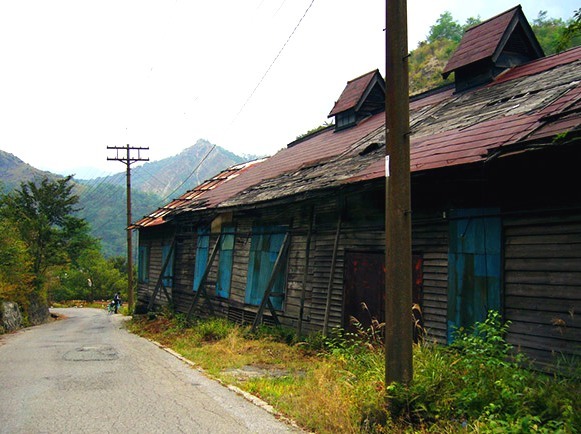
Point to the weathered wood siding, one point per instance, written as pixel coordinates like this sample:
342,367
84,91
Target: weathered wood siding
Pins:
430,240
541,277
155,239
543,283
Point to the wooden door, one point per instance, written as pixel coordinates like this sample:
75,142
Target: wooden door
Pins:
474,262
365,283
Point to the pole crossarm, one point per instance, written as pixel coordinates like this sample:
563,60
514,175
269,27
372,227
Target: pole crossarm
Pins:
128,159
267,292
201,289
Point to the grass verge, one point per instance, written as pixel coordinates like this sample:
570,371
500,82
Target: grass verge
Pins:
336,384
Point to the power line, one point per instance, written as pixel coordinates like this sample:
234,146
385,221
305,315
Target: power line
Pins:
163,201
274,61
97,184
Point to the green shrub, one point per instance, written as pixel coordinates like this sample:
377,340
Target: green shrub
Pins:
481,382
282,334
214,329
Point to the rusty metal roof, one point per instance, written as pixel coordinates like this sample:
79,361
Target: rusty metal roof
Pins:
529,103
447,129
196,195
487,39
353,92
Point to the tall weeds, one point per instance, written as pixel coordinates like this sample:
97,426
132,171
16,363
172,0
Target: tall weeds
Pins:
336,383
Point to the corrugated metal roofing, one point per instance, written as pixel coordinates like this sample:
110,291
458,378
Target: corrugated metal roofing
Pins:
194,195
530,102
447,129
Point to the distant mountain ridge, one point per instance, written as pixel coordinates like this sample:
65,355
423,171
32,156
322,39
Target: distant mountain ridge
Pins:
13,171
175,175
172,176
102,200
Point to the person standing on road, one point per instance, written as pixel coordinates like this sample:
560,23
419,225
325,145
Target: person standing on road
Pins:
117,301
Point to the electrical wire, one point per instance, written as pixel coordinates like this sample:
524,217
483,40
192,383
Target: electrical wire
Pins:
164,200
273,62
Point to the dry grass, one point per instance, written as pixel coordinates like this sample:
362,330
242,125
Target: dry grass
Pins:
336,385
313,389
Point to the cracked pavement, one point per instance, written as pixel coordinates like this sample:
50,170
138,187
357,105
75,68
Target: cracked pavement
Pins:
85,374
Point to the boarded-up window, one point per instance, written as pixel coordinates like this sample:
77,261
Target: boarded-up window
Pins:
202,247
474,267
265,246
143,264
225,262
168,271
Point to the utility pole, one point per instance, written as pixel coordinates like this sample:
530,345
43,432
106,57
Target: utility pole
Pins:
128,160
398,280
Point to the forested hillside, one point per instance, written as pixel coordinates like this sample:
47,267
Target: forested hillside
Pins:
13,171
102,201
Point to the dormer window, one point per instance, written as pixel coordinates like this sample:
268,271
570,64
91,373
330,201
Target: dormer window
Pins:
491,47
345,120
361,98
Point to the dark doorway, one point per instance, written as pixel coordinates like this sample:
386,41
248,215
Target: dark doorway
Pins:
365,283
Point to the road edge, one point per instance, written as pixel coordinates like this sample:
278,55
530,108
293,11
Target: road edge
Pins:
246,395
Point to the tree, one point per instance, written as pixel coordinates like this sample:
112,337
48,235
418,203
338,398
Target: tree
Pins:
42,214
42,217
571,35
92,278
15,277
445,28
547,31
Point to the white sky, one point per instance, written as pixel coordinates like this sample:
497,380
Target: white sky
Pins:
77,76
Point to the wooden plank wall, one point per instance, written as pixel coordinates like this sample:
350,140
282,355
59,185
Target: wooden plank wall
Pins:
543,283
542,277
186,239
155,239
430,240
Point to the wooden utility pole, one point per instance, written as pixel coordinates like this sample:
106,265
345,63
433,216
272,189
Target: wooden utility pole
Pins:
398,279
128,160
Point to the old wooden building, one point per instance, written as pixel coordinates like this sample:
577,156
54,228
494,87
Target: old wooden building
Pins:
495,200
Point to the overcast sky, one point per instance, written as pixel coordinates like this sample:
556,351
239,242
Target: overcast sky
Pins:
77,76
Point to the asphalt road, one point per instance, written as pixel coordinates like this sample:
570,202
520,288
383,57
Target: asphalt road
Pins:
85,374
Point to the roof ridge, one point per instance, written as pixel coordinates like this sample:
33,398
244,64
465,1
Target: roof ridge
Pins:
364,75
493,18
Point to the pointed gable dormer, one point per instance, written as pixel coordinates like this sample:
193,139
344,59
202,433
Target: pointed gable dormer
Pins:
491,47
362,97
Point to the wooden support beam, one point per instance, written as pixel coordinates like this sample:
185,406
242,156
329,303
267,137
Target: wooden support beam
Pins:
266,297
159,284
201,289
306,272
332,274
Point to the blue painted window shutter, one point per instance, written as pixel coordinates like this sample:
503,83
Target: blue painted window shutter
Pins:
474,266
265,245
168,272
201,255
225,262
143,264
